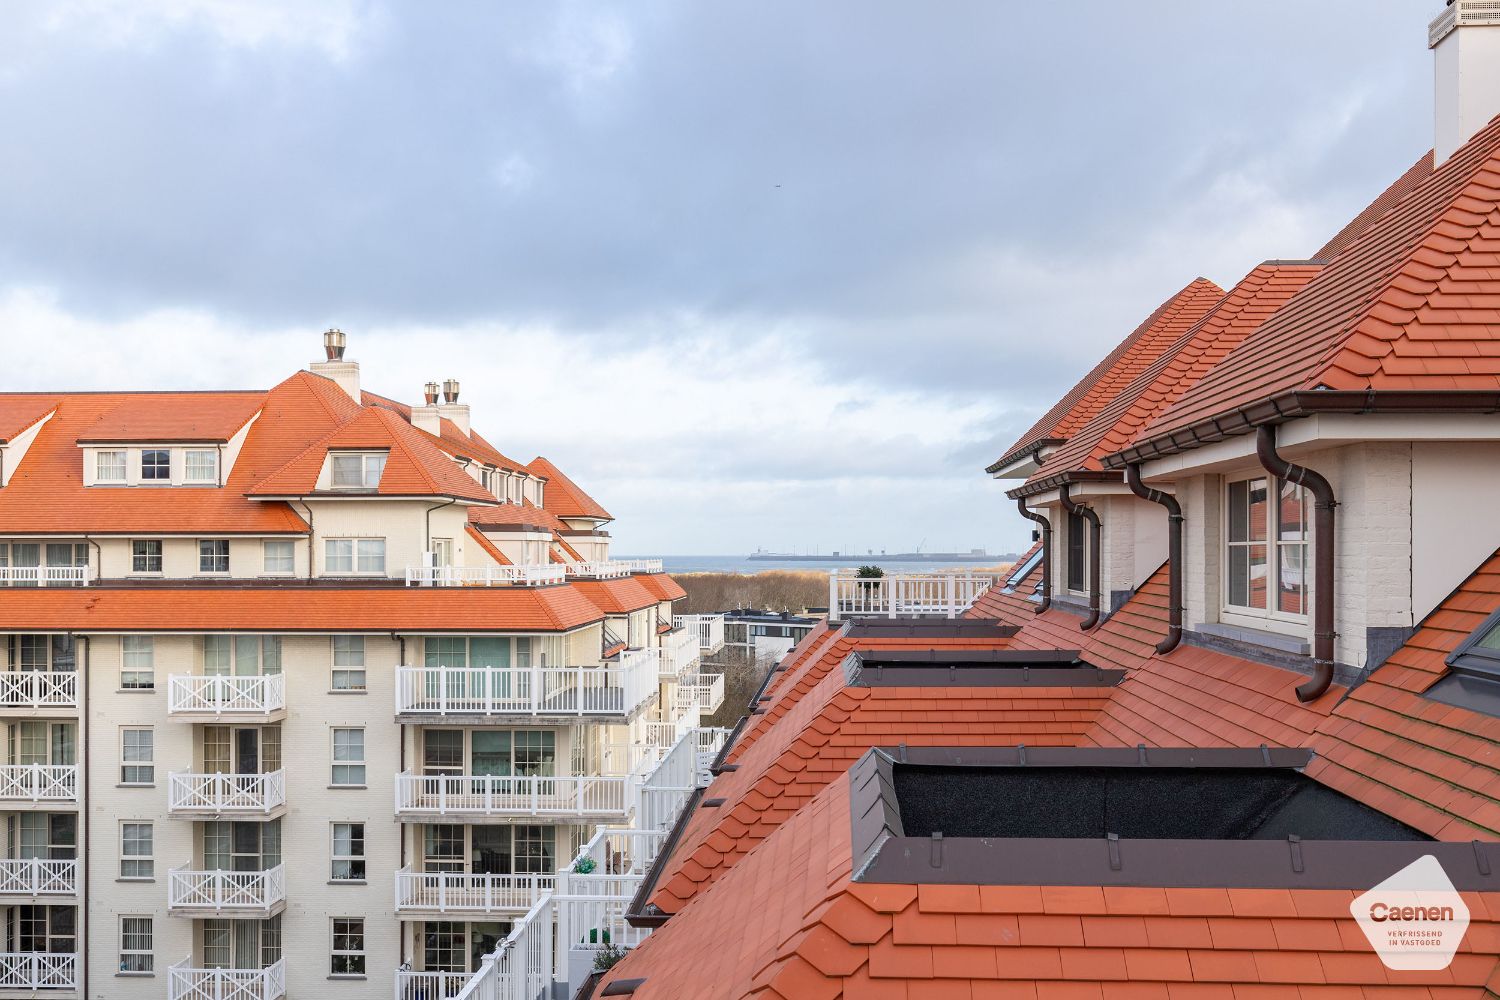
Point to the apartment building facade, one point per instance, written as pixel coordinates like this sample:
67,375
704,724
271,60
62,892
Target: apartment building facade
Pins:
305,689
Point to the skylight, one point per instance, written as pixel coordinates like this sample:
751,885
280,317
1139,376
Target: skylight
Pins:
1473,679
1023,569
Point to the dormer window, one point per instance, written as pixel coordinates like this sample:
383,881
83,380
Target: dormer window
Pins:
109,466
358,472
202,466
156,465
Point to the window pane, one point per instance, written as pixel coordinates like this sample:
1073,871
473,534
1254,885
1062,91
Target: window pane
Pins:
347,470
279,557
1258,568
1239,501
1239,576
109,466
202,466
213,555
156,464
1291,593
1291,513
339,555
1259,511
371,555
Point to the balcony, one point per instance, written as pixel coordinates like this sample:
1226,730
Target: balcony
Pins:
927,595
205,698
42,783
709,630
529,575
609,569
480,693
34,878
38,970
45,576
679,653
602,798
423,894
210,796
430,985
38,690
710,692
187,983
226,893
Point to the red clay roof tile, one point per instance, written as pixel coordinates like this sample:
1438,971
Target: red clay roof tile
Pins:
564,497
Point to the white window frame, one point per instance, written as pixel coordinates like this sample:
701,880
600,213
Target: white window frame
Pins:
291,557
212,475
357,558
204,556
160,556
145,864
141,465
1270,617
348,653
141,764
351,857
144,956
355,955
347,766
371,468
138,662
111,454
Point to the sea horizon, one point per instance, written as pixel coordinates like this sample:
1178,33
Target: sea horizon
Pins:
743,564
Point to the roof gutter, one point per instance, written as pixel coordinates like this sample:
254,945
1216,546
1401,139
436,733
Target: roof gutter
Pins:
1303,403
1046,552
1025,451
1087,513
1046,484
1323,527
1174,553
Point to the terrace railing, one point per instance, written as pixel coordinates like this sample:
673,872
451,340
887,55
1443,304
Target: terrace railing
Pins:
46,576
38,970
38,689
528,575
934,595
187,983
226,891
241,696
200,794
605,797
708,628
612,689
462,892
38,877
39,782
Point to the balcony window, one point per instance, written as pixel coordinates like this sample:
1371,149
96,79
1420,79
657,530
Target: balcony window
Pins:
241,749
348,663
21,555
137,757
358,472
348,947
443,751
109,466
135,944
278,557
46,836
348,757
38,742
535,851
535,753
42,653
443,847
358,556
156,465
213,555
1266,545
241,846
51,929
241,944
137,662
137,850
145,555
241,655
202,466
348,852
443,946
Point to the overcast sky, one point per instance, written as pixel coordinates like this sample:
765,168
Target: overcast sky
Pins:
762,273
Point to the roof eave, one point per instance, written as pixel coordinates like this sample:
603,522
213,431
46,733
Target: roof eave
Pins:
1006,467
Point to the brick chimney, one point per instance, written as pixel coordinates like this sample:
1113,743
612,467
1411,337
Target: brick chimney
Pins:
451,408
345,373
425,418
1465,43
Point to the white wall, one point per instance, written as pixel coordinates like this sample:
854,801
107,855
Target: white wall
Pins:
1454,487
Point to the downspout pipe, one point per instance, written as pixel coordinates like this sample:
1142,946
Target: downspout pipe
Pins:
1087,513
1174,553
1323,528
1041,519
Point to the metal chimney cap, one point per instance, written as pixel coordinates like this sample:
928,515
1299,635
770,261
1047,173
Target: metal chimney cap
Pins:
450,390
430,391
333,343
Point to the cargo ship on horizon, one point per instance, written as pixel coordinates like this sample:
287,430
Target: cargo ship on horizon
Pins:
973,555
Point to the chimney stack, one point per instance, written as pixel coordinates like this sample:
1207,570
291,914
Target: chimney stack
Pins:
345,373
1465,41
452,408
425,418
430,393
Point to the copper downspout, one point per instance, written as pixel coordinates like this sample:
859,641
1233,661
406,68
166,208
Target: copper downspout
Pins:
1174,553
1088,514
1046,552
1323,505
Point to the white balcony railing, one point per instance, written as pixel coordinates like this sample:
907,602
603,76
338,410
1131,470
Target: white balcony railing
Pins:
679,653
226,891
431,985
241,696
38,970
38,689
710,690
523,795
461,892
600,569
187,983
935,595
529,575
45,576
38,877
612,689
708,628
225,794
39,782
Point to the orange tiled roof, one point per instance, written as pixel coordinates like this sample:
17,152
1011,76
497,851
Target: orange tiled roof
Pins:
19,410
567,550
1409,305
487,545
452,439
296,609
414,466
563,497
1387,199
616,597
525,515
661,586
1249,304
169,417
802,929
1120,367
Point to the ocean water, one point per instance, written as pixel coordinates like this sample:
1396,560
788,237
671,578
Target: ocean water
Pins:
740,564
